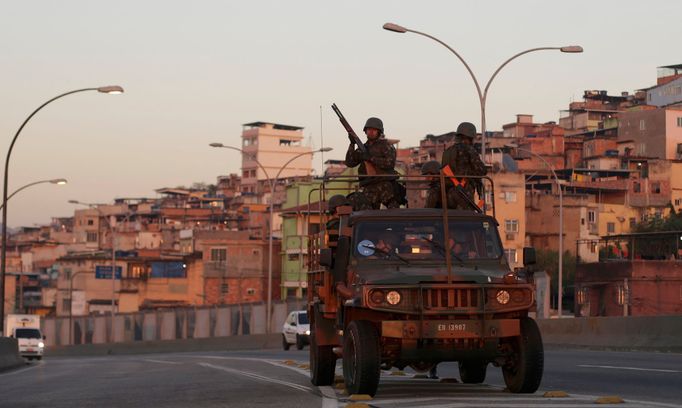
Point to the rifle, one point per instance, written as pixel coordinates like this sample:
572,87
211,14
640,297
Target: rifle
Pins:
371,170
447,171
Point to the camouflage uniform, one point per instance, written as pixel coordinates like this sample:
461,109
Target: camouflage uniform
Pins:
464,160
378,190
433,197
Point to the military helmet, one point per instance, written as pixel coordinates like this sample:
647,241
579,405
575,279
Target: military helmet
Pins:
431,167
375,123
466,129
337,201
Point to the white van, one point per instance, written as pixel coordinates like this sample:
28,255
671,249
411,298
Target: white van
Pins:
26,329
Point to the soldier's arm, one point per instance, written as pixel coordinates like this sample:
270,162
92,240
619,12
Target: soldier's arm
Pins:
352,158
477,165
385,160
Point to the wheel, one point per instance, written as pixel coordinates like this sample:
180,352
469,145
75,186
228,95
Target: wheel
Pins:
523,371
472,372
361,358
322,362
39,358
299,342
285,343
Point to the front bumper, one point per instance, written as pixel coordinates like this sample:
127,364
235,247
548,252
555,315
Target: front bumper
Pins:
450,329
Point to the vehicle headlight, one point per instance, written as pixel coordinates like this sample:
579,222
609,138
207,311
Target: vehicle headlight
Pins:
41,344
502,297
307,332
393,297
376,297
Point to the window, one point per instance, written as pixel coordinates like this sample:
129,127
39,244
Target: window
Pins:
510,196
678,201
284,142
511,225
511,255
292,257
636,187
168,270
218,254
679,121
593,247
591,216
656,187
66,304
91,237
135,271
67,273
91,222
642,124
611,227
224,288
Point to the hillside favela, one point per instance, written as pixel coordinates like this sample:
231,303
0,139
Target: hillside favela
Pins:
358,255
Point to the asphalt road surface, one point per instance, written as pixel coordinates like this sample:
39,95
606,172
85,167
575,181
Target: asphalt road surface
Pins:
280,379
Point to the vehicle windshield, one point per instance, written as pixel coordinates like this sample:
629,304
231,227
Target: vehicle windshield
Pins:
28,334
303,318
423,240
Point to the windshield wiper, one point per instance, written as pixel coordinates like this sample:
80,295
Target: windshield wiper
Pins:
442,249
386,252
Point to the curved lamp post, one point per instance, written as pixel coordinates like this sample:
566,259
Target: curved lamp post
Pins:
60,182
112,89
482,95
560,288
272,182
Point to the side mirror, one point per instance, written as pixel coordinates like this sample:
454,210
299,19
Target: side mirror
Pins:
326,257
294,324
528,256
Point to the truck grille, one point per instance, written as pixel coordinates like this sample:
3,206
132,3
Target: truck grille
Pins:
437,298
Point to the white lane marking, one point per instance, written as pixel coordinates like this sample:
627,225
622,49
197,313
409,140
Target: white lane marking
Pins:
160,361
659,370
21,370
258,377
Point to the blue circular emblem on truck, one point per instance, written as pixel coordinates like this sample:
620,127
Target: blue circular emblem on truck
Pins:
366,247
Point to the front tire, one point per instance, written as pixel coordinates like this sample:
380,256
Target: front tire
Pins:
299,342
361,358
472,372
523,372
285,343
322,362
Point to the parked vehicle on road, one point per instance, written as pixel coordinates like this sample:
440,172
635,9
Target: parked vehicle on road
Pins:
26,329
296,330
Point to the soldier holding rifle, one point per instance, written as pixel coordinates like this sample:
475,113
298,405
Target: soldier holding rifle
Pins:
376,157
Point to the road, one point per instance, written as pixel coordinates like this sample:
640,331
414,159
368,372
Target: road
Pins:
273,378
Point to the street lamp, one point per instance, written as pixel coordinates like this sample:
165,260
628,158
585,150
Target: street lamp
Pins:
561,226
272,182
113,258
111,89
60,182
482,96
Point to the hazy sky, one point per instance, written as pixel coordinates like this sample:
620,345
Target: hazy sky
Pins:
195,71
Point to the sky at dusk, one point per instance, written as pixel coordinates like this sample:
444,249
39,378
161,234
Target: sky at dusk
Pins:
194,72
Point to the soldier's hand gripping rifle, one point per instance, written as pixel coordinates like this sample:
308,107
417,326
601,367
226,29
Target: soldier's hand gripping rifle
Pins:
369,166
447,171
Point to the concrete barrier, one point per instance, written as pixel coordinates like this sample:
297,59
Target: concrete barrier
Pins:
646,333
231,343
9,354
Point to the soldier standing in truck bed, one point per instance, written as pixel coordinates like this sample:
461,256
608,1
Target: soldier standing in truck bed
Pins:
463,160
378,159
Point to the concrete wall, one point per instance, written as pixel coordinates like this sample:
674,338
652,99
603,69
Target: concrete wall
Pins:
9,353
659,333
175,324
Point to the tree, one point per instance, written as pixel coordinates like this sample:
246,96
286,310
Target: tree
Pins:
548,260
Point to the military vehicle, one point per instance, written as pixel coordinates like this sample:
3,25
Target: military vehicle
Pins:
416,287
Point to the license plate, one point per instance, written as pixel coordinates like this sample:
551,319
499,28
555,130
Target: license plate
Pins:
450,327
30,350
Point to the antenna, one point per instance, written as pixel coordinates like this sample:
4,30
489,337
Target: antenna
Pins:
321,141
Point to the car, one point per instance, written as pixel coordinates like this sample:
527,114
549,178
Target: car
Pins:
296,330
